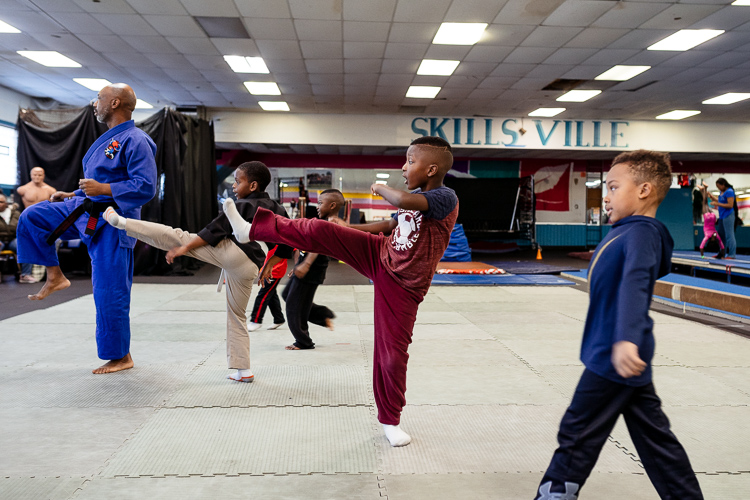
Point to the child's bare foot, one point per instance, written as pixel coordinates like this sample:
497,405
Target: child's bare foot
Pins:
329,323
115,365
292,348
55,282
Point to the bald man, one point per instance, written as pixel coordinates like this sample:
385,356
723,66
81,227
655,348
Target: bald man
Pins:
119,171
32,193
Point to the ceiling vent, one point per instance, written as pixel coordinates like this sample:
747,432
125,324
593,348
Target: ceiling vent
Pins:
564,84
223,27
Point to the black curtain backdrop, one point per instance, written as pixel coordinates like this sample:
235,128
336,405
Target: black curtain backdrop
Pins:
185,161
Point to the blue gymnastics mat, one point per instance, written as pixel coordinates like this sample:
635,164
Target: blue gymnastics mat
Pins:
497,280
742,261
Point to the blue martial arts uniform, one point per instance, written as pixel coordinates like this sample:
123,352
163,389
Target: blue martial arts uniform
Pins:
122,157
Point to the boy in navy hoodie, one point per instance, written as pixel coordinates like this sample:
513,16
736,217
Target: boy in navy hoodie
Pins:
618,341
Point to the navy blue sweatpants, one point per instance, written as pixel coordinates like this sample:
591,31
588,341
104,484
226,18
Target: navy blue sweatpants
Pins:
590,418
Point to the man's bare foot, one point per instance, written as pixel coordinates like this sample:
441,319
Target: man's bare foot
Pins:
329,323
54,283
115,365
292,348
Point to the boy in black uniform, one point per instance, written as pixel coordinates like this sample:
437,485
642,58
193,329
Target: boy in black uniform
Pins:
307,275
618,341
216,245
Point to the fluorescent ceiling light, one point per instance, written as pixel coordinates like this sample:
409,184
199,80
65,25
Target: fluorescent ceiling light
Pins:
7,28
49,58
728,98
578,95
437,67
547,112
741,2
263,88
418,91
620,73
459,33
242,64
274,105
678,114
381,182
685,39
141,104
95,84
382,176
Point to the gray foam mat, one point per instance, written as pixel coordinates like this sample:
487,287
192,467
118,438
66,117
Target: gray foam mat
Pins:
51,488
267,487
275,386
479,439
250,441
75,386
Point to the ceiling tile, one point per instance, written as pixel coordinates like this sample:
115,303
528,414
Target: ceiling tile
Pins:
476,69
319,30
727,18
679,16
270,29
690,58
585,72
461,81
578,12
325,65
82,23
355,31
510,69
570,56
421,11
486,93
103,43
595,38
31,22
447,52
296,80
370,66
208,63
550,36
322,89
640,39
236,46
399,66
726,60
549,72
327,79
402,81
217,8
526,55
194,46
263,8
167,7
727,75
630,14
361,79
279,49
367,10
413,32
150,44
365,50
182,26
497,82
650,58
316,9
126,24
505,34
525,12
610,57
169,61
406,50
473,11
487,54
286,66
322,50
108,7
128,59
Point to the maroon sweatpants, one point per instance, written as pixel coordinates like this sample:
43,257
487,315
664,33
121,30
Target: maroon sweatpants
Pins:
395,307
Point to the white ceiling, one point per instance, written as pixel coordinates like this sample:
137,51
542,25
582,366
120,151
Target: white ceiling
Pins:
360,56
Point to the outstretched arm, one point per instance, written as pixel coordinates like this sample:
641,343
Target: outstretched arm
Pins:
196,242
401,199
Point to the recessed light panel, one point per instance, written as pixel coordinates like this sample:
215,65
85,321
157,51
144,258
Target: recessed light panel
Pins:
685,39
95,84
7,28
728,98
263,88
678,114
437,67
49,58
242,64
578,95
423,92
141,104
274,105
459,33
620,73
547,112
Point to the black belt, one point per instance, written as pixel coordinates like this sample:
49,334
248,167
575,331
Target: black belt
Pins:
89,206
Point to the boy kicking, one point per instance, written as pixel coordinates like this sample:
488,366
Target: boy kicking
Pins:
307,275
618,341
401,265
216,245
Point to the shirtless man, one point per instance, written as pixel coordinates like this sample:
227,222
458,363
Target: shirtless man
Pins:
36,190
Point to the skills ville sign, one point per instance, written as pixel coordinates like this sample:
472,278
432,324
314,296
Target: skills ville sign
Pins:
509,132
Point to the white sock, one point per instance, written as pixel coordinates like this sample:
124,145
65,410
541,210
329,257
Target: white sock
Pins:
240,227
396,436
114,219
241,376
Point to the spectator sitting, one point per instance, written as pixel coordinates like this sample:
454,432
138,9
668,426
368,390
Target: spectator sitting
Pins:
32,193
8,223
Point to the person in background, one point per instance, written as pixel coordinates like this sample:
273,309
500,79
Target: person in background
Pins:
727,203
268,297
32,193
8,222
709,222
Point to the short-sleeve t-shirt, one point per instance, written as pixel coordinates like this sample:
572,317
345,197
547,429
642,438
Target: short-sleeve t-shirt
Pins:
418,242
723,198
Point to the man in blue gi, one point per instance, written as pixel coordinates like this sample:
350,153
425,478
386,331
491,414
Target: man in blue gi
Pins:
119,171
